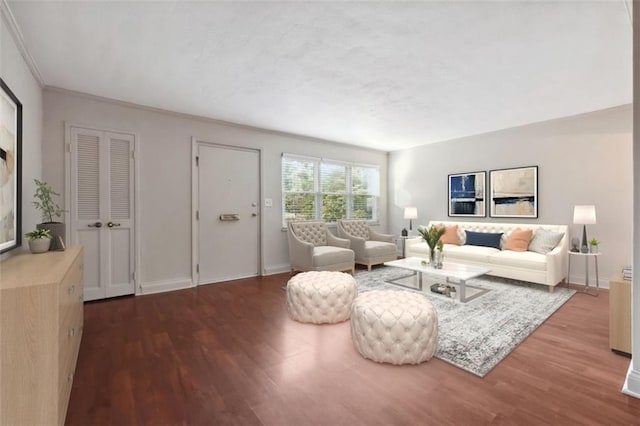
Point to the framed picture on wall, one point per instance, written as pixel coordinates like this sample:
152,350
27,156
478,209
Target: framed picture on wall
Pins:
467,194
10,169
514,192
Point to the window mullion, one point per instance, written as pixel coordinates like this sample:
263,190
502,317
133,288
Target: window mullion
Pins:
318,189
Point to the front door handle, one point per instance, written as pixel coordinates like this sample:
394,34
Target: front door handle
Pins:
95,225
111,224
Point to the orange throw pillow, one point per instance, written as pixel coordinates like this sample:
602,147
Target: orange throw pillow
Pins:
450,235
519,240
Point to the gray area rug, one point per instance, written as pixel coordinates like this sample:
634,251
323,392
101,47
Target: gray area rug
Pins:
477,335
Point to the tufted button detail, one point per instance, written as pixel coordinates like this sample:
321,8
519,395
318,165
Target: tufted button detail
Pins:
394,326
321,296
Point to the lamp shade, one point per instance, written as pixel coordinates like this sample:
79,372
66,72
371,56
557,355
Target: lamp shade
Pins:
584,215
410,212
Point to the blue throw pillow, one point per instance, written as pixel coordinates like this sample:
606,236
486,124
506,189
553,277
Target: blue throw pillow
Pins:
484,239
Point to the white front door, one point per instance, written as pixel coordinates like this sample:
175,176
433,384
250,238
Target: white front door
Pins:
101,209
228,209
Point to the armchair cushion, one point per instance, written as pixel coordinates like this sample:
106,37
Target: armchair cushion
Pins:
329,255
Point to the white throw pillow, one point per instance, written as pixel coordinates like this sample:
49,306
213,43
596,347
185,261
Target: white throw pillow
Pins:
545,240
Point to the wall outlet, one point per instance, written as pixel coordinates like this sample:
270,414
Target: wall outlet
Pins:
268,202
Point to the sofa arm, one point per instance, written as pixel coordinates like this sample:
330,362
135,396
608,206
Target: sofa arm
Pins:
409,245
376,236
413,240
557,265
332,240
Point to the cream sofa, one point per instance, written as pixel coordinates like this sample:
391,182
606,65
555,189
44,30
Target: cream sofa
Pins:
548,269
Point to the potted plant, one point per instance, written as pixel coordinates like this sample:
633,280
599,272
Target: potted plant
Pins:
39,240
593,243
49,210
440,254
431,236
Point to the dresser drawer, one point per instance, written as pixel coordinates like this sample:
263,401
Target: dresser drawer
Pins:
71,288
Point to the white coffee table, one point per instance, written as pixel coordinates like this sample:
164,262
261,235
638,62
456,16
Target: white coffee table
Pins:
452,273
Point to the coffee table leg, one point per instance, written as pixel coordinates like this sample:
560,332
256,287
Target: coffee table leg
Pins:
463,292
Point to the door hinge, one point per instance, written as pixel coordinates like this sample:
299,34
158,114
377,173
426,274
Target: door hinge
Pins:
197,214
197,267
68,147
197,161
133,153
133,275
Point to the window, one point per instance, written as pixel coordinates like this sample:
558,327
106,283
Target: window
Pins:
314,188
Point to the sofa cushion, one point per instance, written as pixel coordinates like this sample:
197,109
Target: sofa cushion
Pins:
515,259
379,248
329,255
470,253
450,235
545,240
484,239
519,240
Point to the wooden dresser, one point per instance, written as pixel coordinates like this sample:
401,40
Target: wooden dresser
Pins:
40,330
620,315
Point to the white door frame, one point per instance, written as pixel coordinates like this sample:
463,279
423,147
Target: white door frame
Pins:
195,238
136,190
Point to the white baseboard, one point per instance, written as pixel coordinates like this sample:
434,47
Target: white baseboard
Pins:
579,279
632,383
277,269
164,285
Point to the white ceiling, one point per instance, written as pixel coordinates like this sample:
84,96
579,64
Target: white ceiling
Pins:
386,75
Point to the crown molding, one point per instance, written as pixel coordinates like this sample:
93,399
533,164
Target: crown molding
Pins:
9,19
217,121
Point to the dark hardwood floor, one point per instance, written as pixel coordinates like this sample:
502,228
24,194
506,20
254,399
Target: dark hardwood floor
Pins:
228,354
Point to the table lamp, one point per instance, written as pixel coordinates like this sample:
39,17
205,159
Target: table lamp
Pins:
410,213
584,215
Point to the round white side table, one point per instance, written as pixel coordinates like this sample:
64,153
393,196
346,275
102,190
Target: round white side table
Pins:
586,257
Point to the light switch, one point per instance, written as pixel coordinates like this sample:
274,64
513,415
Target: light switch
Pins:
268,202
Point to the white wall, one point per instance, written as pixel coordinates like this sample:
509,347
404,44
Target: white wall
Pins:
165,173
585,159
18,77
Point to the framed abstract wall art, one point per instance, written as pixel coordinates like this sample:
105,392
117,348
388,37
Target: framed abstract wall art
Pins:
10,169
467,194
514,192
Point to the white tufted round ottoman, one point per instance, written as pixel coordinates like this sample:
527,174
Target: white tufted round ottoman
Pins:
321,296
397,327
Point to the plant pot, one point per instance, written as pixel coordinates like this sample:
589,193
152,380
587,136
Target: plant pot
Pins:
57,230
39,245
594,249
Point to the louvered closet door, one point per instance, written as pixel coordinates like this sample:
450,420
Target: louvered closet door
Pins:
102,210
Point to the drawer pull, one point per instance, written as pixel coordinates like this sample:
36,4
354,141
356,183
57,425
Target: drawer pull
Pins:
72,332
72,289
70,377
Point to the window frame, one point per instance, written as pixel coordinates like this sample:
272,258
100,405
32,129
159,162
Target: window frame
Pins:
319,194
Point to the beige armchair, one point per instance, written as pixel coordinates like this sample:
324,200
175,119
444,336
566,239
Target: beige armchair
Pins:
370,247
313,248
